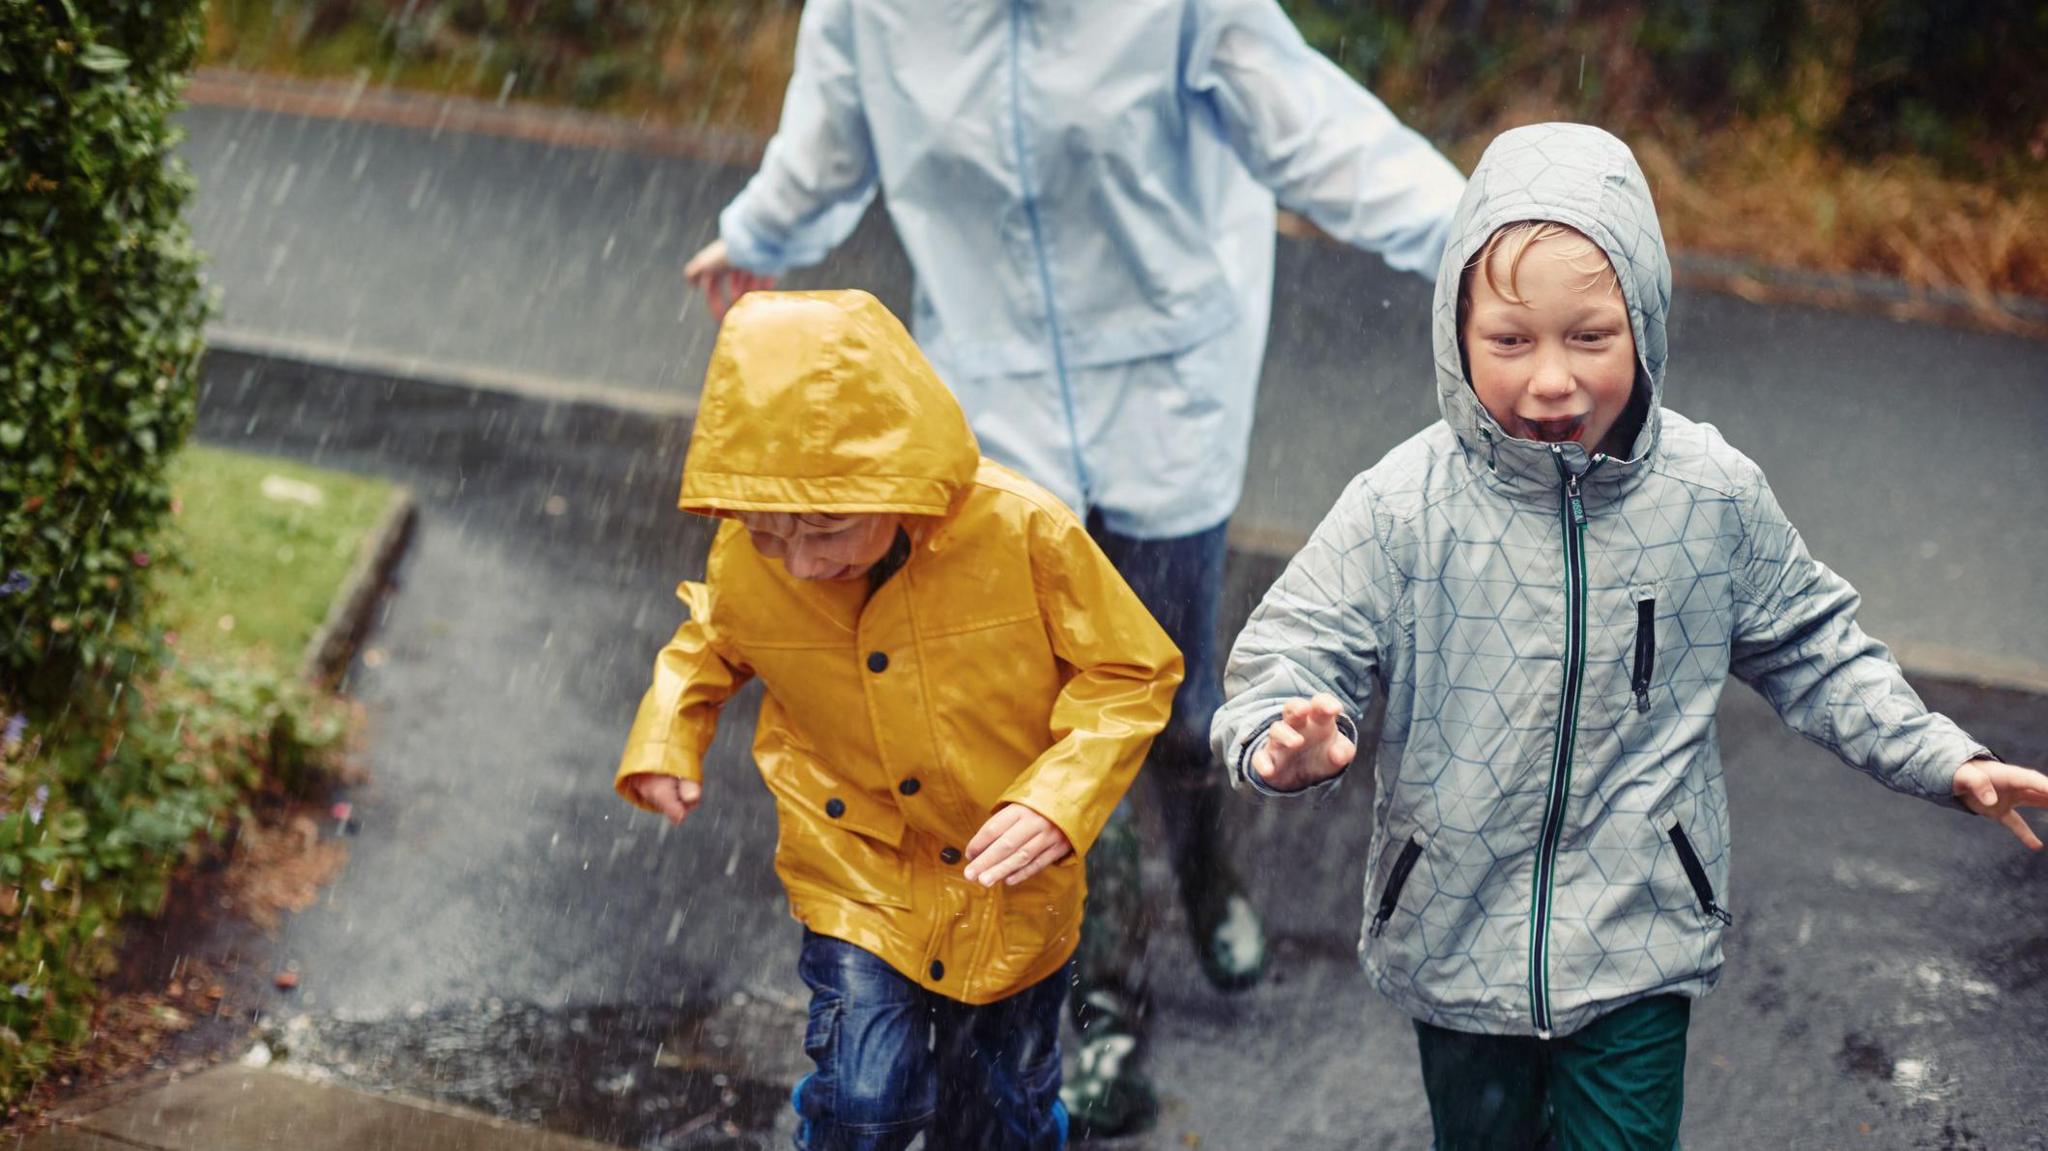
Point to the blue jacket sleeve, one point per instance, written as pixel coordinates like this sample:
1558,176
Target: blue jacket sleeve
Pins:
1797,642
1328,148
818,172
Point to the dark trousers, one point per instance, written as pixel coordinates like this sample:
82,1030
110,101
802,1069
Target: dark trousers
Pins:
1616,1085
894,1060
1180,581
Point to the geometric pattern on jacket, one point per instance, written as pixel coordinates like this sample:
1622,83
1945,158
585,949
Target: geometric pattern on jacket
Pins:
1550,846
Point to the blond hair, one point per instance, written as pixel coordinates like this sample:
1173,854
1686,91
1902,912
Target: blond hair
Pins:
1514,241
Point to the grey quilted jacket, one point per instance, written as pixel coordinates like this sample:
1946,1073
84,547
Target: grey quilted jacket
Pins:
1552,632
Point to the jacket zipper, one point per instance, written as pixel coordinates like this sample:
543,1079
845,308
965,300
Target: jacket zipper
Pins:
1696,874
1052,315
1572,510
1646,651
1390,896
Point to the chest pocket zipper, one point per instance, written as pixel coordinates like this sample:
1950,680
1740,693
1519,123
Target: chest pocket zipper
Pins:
1390,896
1646,651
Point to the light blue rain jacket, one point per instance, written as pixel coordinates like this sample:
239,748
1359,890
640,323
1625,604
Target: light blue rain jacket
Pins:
1552,633
1083,192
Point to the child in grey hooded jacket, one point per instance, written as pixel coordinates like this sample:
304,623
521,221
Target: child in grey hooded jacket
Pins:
1551,586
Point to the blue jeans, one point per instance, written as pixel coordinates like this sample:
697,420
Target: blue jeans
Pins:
894,1059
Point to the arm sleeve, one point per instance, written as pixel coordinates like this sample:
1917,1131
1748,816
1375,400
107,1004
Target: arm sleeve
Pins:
818,172
679,714
1328,148
1125,671
1797,642
1319,628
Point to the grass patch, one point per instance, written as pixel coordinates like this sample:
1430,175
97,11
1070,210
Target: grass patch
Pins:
263,546
112,793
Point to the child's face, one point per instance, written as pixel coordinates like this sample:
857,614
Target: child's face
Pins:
1557,363
822,547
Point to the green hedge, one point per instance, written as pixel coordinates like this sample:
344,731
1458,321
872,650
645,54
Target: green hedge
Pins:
101,310
112,771
102,804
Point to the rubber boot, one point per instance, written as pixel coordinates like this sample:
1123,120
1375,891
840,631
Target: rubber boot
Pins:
1228,937
1109,1095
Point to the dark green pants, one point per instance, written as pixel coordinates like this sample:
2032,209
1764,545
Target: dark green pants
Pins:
1616,1085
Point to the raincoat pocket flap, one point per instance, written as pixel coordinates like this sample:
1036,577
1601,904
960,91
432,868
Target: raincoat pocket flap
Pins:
833,801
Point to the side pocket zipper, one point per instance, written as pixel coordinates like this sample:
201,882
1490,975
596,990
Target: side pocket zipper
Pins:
1696,874
1390,895
1646,651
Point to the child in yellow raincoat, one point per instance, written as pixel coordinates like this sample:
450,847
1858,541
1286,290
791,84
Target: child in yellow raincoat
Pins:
959,688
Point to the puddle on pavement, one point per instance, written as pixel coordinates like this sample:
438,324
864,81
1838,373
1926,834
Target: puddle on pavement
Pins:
660,1079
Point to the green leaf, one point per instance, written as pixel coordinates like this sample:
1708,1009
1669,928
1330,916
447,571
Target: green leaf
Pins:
69,825
100,58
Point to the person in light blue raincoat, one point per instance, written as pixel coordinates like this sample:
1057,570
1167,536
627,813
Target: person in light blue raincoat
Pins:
1087,196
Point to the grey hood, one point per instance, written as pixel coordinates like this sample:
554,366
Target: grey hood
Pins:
1577,175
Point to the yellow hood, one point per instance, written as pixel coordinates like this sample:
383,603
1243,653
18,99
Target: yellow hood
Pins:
821,402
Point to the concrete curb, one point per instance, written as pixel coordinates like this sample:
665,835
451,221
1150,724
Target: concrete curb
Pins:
232,1106
358,360
357,100
333,647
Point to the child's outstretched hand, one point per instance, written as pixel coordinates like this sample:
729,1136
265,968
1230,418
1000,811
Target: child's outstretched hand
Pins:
1305,747
674,798
1015,844
721,281
1993,789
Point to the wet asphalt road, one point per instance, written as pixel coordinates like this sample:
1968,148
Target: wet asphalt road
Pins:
509,935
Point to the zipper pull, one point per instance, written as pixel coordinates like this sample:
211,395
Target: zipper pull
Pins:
1643,699
1571,491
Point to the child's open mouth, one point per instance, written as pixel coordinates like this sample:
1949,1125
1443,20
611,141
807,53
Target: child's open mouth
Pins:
1553,431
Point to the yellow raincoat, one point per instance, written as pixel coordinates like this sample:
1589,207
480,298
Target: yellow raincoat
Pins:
1005,662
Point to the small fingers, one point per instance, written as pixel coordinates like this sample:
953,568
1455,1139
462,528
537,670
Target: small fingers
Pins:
1285,739
2025,786
1044,850
991,831
998,862
1342,751
1001,857
661,793
2020,830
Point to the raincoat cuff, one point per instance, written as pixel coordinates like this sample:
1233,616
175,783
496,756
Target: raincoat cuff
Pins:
1320,792
745,246
1947,796
652,759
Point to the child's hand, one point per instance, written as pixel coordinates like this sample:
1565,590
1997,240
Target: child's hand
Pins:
1993,789
1306,747
1015,844
712,271
674,798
